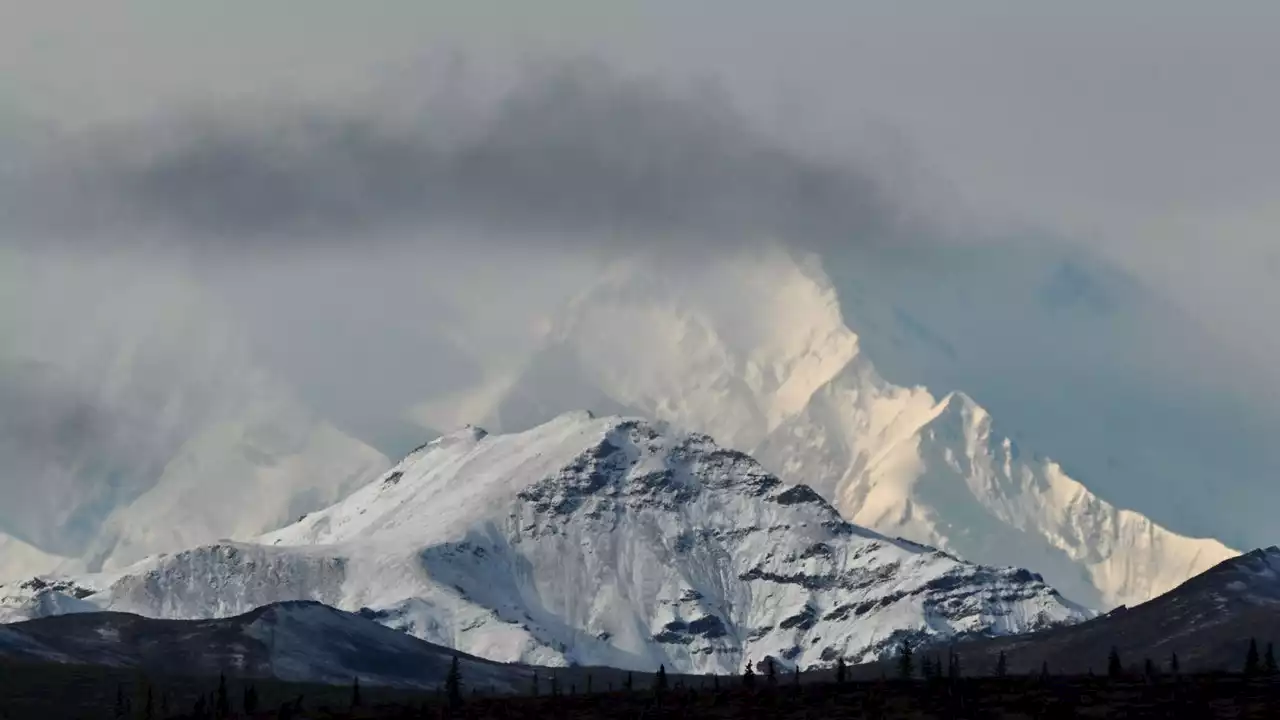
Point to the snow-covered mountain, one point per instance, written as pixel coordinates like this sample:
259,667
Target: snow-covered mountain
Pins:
756,351
591,541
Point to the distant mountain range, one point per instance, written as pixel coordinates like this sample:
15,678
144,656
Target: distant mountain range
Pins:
588,541
163,429
1208,623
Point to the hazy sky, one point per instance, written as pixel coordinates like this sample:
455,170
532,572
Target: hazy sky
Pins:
1146,128
291,149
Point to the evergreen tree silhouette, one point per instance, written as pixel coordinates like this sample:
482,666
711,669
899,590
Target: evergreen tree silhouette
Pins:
842,671
905,667
120,707
355,692
535,683
953,665
251,699
748,677
453,683
1269,660
660,680
1044,670
1115,669
795,679
588,683
149,709
1174,666
1251,663
1002,665
715,682
629,684
771,673
223,703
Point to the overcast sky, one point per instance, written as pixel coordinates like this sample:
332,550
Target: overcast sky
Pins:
1147,128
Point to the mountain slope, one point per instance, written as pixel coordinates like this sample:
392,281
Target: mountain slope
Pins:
756,352
1208,621
296,642
599,541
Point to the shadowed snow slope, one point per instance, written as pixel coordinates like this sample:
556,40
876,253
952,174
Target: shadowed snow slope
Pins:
596,541
756,352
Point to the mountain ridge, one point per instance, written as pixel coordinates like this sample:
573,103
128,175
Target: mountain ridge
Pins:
764,361
598,541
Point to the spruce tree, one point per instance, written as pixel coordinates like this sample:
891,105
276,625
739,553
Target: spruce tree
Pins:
905,667
453,684
1002,665
120,707
588,683
224,702
355,692
1269,660
1115,669
842,671
535,683
149,709
1044,670
1174,666
660,680
795,679
748,677
1251,663
771,673
629,684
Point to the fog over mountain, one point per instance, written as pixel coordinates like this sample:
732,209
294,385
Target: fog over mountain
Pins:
232,289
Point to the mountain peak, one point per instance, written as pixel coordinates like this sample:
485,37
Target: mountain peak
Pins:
610,541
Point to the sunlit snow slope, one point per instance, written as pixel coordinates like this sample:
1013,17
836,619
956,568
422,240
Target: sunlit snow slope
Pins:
755,351
593,541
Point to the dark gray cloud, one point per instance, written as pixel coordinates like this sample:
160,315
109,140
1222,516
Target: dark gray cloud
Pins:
576,151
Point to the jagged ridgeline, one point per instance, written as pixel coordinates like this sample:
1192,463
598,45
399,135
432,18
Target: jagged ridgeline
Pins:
595,541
